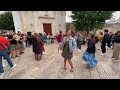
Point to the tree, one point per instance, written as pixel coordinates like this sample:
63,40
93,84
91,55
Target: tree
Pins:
6,21
89,20
72,27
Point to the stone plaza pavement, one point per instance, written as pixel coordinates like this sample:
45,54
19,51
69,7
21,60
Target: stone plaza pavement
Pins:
51,66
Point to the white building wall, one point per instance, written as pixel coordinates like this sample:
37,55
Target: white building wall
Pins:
60,21
17,21
36,26
26,21
63,21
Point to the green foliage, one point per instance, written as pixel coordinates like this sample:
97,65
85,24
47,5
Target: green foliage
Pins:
88,20
6,21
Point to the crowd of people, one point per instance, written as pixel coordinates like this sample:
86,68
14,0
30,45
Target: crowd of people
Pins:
75,40
109,40
12,45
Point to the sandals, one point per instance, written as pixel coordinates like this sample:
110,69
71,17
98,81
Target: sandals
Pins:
13,57
71,70
17,56
65,68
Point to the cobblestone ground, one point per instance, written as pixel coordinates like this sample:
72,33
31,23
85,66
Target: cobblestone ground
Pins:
51,66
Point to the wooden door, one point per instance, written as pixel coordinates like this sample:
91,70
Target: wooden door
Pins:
47,28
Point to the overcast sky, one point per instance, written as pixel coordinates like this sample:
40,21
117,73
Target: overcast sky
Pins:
68,18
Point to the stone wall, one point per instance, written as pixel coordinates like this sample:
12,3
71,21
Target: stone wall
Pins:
111,27
17,21
60,21
32,21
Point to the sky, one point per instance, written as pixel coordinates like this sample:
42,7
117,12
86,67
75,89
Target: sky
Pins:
68,18
68,13
1,12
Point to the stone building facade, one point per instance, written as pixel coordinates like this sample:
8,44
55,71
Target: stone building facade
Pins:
39,21
112,27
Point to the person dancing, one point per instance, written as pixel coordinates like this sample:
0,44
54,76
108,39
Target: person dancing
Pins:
68,45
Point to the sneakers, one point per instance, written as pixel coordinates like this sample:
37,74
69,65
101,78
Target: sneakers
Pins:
102,54
44,53
2,75
79,50
13,66
111,47
4,65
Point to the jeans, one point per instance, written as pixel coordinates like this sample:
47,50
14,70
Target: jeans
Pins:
4,53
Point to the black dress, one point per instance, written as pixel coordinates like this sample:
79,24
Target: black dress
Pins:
66,54
37,46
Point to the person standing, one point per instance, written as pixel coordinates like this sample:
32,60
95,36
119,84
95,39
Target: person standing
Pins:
28,41
43,45
116,47
68,45
37,47
100,37
84,39
79,41
110,40
104,41
21,43
24,39
4,44
44,38
59,39
17,49
13,43
48,38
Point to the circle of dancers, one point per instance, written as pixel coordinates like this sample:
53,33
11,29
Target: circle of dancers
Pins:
12,45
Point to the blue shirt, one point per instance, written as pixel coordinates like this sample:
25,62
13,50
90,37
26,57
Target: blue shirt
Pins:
72,43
